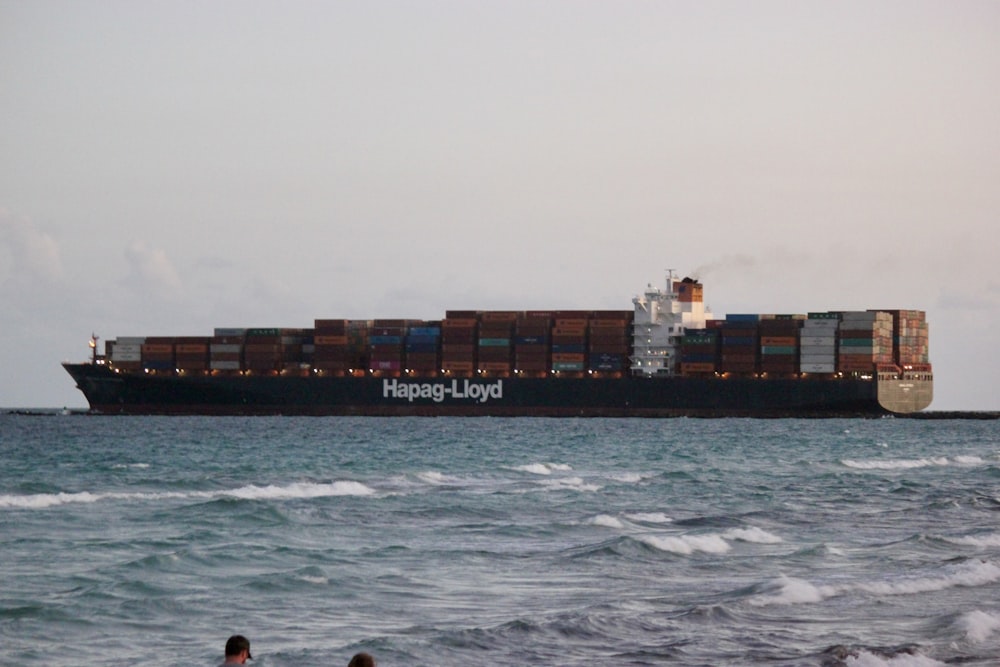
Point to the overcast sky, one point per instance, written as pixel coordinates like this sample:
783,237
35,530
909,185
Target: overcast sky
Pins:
171,167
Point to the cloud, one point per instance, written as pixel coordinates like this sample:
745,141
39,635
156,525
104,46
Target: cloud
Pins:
150,271
34,254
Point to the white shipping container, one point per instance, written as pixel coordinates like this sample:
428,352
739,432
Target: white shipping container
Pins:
817,358
227,348
130,340
819,341
229,332
224,365
820,325
119,355
816,368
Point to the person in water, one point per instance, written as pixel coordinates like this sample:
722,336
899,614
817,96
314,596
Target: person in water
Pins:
362,660
237,650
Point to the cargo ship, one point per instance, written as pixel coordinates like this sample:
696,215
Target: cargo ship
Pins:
667,356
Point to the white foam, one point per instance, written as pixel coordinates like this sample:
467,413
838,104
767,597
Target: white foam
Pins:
570,483
990,540
971,573
798,591
978,625
433,477
687,544
896,464
535,469
649,517
795,591
544,468
627,477
607,521
300,490
124,466
291,491
43,500
752,534
866,659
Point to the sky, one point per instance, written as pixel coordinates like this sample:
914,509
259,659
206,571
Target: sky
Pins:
169,167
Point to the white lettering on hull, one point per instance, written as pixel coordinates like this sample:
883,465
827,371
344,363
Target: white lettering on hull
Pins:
438,392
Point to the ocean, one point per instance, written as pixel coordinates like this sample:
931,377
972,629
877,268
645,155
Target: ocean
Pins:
501,542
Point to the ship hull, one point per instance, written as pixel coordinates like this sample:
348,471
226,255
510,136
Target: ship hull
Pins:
109,392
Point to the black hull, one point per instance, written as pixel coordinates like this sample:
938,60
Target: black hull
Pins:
113,393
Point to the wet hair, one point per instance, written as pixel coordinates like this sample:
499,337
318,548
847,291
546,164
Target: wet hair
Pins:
362,660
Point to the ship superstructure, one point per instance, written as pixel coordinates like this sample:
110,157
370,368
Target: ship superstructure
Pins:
661,319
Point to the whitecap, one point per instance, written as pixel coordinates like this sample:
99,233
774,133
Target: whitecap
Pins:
627,477
433,477
535,469
895,464
570,483
686,545
971,573
990,540
300,490
795,591
866,659
607,521
752,534
45,500
978,625
543,468
649,517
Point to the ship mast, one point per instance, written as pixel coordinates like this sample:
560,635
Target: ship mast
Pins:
93,348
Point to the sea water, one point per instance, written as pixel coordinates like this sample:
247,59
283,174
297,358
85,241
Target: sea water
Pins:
500,542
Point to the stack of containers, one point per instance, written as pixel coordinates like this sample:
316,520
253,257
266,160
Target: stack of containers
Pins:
262,350
386,346
458,342
225,351
910,340
699,351
496,329
818,343
609,334
779,343
531,343
191,353
158,354
330,347
292,345
569,342
865,341
125,352
740,335
423,346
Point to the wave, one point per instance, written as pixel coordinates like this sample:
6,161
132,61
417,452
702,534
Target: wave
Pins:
906,656
907,464
543,468
292,491
788,590
989,540
978,626
686,545
649,517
